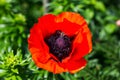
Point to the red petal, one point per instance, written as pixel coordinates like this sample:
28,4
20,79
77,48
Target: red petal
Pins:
39,55
82,44
74,65
68,28
70,16
50,65
37,45
70,22
47,24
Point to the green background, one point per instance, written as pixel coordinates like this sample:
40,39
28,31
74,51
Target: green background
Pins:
18,16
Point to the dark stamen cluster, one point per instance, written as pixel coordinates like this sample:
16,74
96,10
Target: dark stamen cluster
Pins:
59,45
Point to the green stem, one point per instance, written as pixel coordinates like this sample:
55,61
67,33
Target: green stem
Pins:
45,3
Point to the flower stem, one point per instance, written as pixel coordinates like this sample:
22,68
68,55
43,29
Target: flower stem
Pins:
45,3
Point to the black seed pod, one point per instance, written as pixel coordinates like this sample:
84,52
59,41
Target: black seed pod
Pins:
59,45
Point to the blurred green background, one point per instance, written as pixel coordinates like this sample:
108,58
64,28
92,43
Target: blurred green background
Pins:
18,16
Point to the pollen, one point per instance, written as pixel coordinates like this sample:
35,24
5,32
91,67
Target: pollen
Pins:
59,44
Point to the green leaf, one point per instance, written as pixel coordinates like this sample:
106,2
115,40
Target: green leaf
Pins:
110,28
100,6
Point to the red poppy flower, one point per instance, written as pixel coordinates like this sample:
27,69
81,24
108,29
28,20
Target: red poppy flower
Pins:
59,43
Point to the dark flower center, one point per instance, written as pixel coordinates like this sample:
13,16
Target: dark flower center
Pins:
59,44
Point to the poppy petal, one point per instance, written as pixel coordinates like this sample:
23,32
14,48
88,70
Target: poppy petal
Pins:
47,24
82,44
68,27
88,37
50,65
70,16
37,45
74,65
72,22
